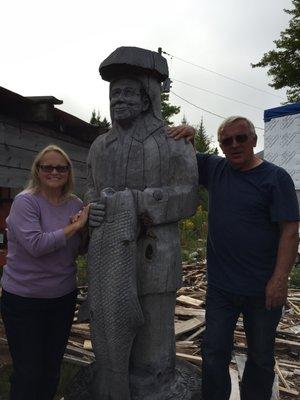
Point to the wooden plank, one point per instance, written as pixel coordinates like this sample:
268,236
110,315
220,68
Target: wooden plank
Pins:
190,301
17,178
76,344
76,360
80,351
240,362
81,333
186,344
197,360
288,391
289,343
288,364
295,307
283,380
13,177
30,140
85,327
295,329
189,312
16,157
275,389
235,388
196,334
186,326
292,344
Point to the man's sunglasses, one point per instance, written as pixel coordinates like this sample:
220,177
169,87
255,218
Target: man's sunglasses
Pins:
239,138
50,168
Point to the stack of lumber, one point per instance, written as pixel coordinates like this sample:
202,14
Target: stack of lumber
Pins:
191,299
189,328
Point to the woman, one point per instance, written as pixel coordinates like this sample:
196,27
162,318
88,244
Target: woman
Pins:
45,226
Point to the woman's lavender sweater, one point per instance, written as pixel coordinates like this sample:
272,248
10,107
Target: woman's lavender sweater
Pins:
40,260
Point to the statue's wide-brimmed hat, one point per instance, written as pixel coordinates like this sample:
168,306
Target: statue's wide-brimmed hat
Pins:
134,61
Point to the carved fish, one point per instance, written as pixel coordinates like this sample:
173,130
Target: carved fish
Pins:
115,312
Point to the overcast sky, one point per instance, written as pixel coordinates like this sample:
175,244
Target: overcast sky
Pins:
55,48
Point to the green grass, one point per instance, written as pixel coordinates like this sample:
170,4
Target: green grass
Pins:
193,232
295,278
81,270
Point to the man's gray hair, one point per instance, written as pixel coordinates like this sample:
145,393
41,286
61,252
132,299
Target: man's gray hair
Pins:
230,120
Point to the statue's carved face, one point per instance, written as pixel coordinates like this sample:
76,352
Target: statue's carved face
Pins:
127,101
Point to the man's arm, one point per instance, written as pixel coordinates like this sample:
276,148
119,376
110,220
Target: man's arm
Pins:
276,289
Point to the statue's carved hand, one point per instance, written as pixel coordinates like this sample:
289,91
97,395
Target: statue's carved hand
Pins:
97,214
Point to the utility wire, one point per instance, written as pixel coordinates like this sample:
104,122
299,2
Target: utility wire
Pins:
203,109
222,75
217,94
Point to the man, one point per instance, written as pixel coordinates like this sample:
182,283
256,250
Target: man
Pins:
251,246
137,156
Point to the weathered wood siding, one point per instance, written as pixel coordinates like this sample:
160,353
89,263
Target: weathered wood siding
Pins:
19,144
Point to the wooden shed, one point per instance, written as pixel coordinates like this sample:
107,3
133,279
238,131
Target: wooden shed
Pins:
27,125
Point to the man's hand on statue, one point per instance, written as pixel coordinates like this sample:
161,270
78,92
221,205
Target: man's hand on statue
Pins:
182,131
97,214
276,292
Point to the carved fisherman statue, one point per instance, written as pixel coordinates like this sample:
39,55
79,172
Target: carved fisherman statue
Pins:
141,183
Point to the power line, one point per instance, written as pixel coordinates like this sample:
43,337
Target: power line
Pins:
200,108
217,94
203,109
222,75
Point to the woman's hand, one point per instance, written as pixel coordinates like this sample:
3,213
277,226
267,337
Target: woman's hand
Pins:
78,222
80,219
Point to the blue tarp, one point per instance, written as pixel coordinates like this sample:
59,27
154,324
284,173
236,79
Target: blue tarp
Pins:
277,112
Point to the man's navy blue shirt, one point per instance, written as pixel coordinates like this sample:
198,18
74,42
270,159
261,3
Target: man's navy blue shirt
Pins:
245,209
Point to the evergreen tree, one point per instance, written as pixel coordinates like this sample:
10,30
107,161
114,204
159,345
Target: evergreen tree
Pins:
284,61
202,144
97,121
202,140
167,110
184,120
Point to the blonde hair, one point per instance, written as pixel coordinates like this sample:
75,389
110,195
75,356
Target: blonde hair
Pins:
34,184
230,120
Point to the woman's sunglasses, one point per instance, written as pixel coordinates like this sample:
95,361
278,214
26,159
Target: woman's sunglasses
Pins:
50,168
239,138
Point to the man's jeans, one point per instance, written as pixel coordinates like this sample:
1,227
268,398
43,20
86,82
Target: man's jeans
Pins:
222,312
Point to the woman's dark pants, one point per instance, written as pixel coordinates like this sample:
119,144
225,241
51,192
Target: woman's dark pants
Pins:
37,331
222,312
